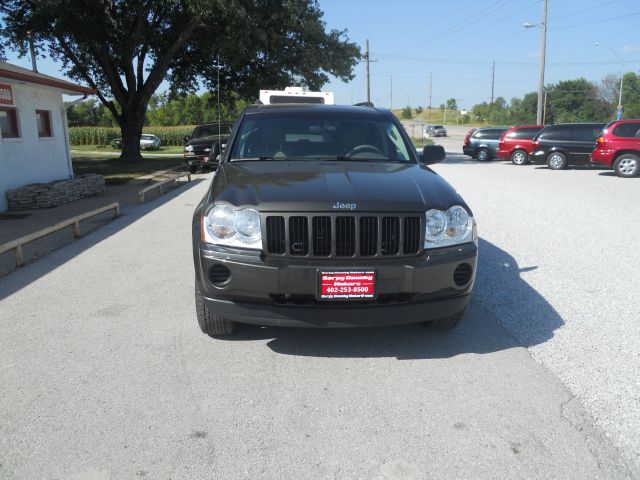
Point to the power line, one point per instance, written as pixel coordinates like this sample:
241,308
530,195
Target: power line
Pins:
596,21
599,6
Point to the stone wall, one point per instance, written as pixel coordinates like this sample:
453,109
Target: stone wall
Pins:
46,195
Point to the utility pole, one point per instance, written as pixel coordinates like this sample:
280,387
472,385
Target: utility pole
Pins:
366,60
543,50
493,79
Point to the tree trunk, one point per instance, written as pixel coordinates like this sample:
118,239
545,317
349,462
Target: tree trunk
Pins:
131,132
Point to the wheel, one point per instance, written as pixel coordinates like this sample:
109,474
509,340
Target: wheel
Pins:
192,169
557,161
627,165
210,323
446,323
519,157
483,155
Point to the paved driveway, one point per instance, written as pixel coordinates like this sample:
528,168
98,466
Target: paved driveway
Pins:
104,373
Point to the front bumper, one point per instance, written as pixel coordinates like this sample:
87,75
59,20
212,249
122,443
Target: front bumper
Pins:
199,161
282,291
538,157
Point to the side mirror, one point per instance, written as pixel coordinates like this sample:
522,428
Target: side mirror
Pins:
186,139
433,154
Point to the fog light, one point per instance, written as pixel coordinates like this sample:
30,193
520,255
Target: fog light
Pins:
219,275
462,274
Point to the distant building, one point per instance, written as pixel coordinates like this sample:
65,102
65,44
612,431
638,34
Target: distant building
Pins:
34,137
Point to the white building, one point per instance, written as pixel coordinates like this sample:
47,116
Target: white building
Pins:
34,138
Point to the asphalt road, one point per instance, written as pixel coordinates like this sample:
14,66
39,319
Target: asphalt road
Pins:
104,373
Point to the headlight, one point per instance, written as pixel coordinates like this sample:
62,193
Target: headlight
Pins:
448,228
188,148
224,225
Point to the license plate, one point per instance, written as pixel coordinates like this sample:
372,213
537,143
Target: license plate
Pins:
343,285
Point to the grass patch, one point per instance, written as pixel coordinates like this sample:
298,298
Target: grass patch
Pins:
116,151
117,172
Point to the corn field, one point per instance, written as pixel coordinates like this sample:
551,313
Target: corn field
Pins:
169,136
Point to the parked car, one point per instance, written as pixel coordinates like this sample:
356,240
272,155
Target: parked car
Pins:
326,216
618,147
198,146
565,144
483,143
435,131
515,144
147,142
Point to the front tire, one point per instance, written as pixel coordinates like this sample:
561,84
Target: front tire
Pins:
483,155
211,323
519,157
446,323
627,165
557,161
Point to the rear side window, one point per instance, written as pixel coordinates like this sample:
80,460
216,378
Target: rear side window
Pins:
556,133
586,133
627,130
523,133
489,133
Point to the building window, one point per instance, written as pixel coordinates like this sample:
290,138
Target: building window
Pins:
9,122
43,119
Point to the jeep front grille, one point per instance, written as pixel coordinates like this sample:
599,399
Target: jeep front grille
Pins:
344,236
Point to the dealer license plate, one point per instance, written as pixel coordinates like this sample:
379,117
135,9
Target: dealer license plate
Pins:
343,285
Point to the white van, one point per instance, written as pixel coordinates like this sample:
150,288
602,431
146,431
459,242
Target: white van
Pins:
295,95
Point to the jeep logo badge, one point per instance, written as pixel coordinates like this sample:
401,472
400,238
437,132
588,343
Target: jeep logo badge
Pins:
344,206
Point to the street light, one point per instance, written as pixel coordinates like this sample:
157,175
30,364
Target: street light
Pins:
620,57
543,49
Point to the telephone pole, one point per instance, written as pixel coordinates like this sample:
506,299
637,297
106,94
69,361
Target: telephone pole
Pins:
543,50
366,60
493,79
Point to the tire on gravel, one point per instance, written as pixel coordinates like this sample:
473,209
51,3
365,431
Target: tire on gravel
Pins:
557,161
627,165
446,323
483,155
519,157
211,323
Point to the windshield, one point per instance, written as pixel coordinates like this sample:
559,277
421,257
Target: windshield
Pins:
307,137
211,130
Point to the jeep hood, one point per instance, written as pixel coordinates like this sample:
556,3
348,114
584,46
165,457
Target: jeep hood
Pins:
331,186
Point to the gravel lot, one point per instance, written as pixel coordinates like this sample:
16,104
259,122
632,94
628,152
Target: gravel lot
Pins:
105,374
572,237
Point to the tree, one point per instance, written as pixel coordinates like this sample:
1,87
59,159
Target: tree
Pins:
419,110
575,101
451,104
126,48
406,112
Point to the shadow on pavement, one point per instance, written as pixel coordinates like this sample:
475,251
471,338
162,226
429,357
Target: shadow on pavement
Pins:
18,279
505,312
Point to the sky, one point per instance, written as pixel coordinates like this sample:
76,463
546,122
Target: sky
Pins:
455,42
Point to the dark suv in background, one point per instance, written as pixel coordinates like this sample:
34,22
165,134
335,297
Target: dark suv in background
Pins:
565,144
204,139
483,143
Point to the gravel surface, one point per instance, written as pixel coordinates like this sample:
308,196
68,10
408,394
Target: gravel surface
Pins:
571,237
105,374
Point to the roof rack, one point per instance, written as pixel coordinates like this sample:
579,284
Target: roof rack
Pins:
364,104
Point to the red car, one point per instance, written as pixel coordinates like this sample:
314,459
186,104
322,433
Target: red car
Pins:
515,144
618,147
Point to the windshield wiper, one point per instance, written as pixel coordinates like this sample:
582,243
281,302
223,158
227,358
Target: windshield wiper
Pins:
251,159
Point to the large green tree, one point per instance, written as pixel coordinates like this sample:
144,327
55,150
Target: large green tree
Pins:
126,48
